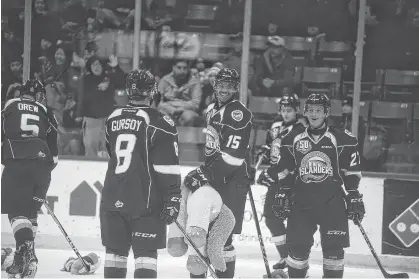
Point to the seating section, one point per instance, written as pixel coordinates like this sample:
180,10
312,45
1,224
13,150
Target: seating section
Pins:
321,80
392,117
401,85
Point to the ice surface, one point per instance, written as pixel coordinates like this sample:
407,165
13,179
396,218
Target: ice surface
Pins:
51,261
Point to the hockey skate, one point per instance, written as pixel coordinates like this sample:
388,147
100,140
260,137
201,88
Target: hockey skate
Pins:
30,261
15,270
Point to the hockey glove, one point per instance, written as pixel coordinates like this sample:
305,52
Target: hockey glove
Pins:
264,152
265,179
355,206
171,207
283,202
197,178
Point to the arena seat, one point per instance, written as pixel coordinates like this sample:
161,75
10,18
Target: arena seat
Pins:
402,158
321,80
393,117
264,110
333,53
401,86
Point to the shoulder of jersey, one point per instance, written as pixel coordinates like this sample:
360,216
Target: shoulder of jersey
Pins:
9,104
237,115
344,137
297,129
151,116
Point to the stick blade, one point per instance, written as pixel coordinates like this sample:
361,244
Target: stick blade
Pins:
399,275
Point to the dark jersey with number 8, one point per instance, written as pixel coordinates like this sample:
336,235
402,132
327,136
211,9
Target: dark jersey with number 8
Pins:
29,131
144,164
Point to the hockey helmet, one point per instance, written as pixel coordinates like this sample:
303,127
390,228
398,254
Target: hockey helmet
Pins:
226,84
318,99
35,89
140,84
289,100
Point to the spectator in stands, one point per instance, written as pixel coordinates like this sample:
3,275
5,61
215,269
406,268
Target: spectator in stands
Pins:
11,45
275,69
57,69
45,27
234,57
12,78
73,17
98,101
346,121
181,94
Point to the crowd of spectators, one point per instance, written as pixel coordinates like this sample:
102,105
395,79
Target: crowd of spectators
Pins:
82,87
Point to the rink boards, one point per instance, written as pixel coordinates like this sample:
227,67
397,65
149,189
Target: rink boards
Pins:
75,197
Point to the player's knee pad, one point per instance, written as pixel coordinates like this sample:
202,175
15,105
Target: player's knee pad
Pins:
333,259
116,259
275,225
298,257
145,264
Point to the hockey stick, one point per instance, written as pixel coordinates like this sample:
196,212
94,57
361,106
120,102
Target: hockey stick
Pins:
201,257
44,202
377,259
255,217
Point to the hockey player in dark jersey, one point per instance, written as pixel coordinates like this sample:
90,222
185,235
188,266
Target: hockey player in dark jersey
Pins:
227,145
141,193
322,159
29,154
289,106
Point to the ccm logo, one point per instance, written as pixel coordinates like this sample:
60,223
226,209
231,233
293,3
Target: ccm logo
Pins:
144,235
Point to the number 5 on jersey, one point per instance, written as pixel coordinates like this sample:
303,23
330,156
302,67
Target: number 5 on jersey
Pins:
125,144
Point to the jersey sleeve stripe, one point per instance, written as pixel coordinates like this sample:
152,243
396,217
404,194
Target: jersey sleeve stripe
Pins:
231,160
163,130
9,102
167,169
115,113
348,173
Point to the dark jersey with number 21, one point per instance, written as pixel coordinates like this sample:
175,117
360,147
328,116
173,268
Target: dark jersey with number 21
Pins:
144,163
321,166
29,131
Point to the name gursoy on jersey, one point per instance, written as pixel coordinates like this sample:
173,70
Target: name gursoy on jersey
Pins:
126,124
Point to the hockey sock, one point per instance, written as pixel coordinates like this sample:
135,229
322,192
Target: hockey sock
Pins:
145,264
281,245
198,276
34,222
230,258
333,263
115,266
22,229
297,268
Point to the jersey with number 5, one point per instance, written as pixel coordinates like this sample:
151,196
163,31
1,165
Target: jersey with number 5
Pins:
144,163
29,131
321,166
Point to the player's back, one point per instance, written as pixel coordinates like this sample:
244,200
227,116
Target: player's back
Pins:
131,134
26,125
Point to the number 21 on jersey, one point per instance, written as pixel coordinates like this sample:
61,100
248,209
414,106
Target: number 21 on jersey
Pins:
124,147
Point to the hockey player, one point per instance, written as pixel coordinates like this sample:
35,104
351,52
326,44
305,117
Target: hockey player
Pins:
322,159
29,154
227,144
141,193
289,106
